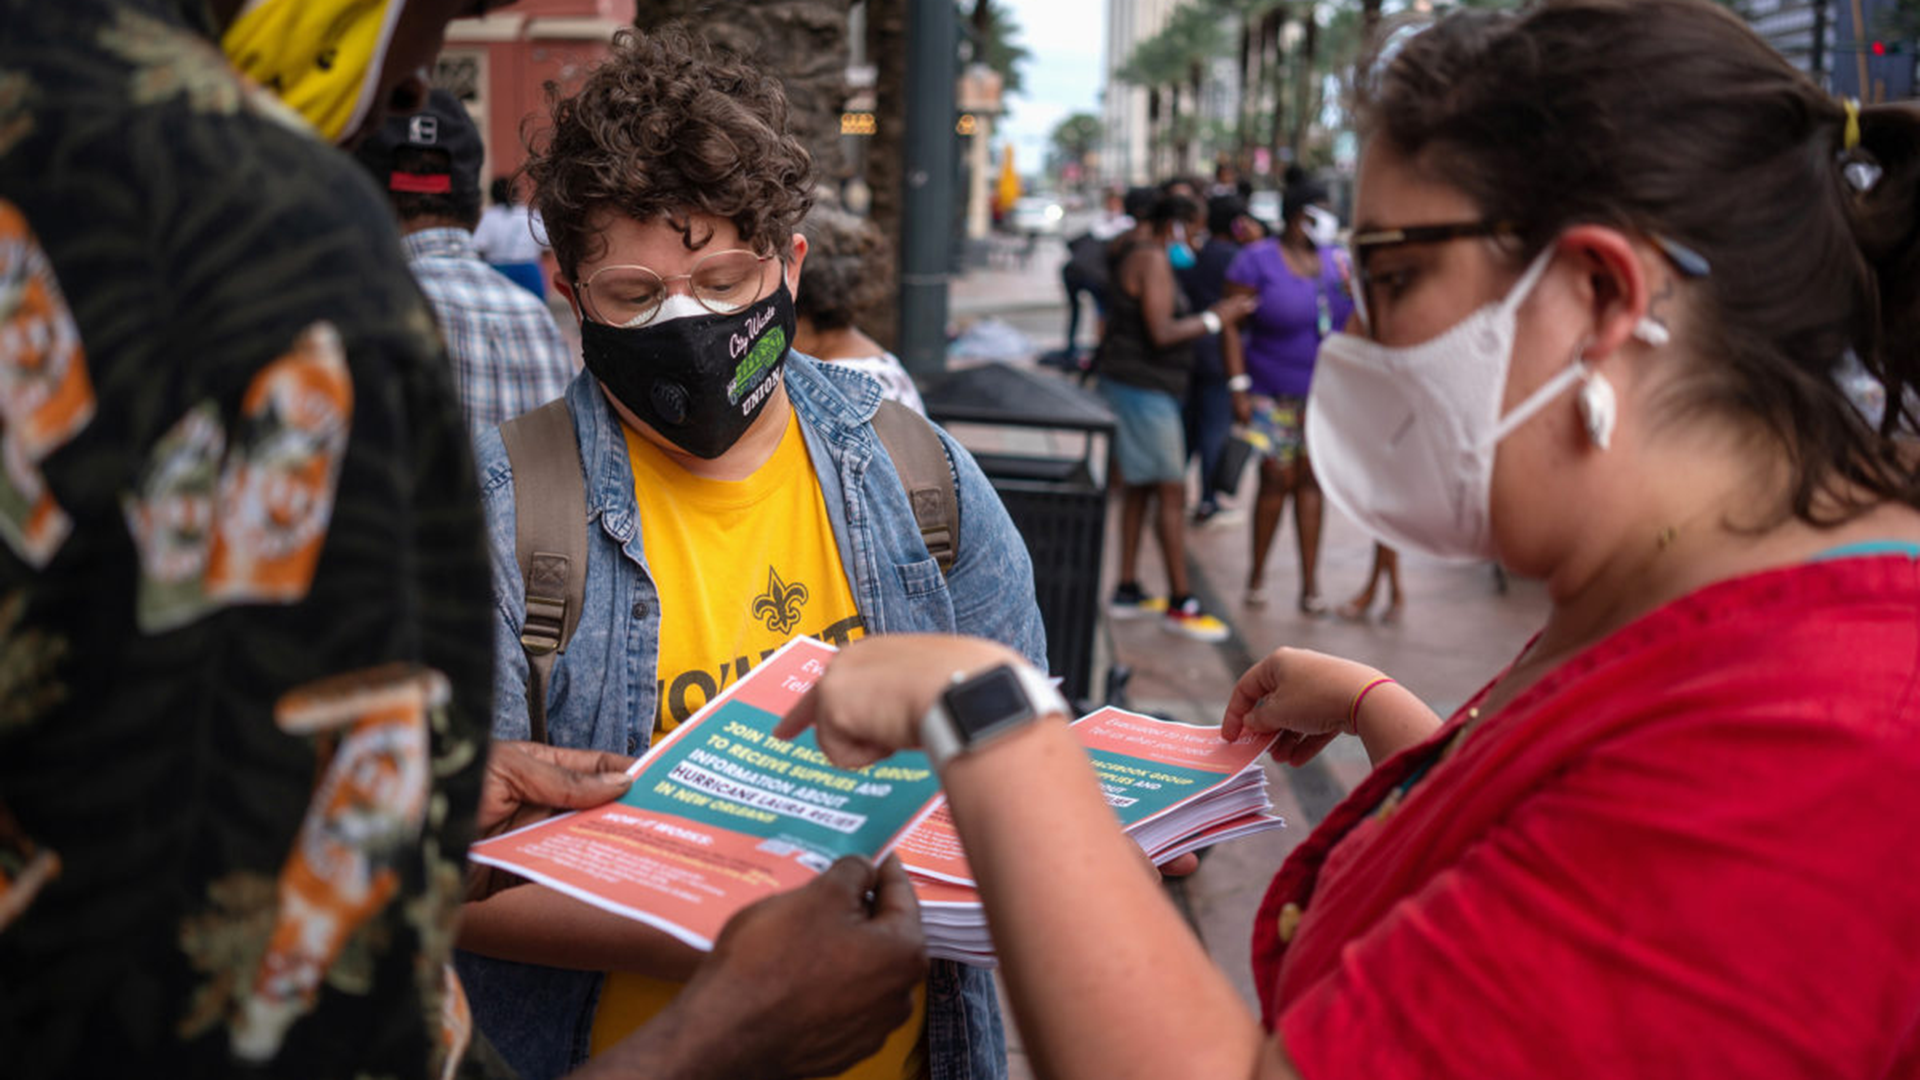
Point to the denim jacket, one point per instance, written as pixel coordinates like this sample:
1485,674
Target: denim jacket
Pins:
602,694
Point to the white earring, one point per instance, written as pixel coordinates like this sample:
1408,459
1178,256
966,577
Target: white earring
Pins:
1652,331
1598,408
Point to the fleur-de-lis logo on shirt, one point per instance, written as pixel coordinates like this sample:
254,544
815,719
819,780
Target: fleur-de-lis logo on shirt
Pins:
779,607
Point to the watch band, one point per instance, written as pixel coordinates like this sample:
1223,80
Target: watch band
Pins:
1240,383
939,739
1211,321
942,739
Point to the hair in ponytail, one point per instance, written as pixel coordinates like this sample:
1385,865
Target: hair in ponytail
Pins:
1673,117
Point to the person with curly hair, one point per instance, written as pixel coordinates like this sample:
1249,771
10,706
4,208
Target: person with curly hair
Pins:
834,284
736,494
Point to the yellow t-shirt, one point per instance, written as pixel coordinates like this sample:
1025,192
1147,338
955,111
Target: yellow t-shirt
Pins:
741,566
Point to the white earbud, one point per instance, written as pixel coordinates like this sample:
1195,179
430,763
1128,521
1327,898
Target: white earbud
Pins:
1598,407
1651,331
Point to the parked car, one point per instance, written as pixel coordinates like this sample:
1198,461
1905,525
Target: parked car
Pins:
1037,215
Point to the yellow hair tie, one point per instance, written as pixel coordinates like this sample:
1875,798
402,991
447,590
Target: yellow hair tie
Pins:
1852,137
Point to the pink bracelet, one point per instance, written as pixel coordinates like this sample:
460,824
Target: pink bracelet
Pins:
1353,711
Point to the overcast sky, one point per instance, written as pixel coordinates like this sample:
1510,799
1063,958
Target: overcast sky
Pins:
1068,40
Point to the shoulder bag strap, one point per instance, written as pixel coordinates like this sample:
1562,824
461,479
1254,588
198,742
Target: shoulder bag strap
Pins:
549,541
927,475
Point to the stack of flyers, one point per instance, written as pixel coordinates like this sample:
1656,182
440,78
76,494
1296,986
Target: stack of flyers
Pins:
1175,787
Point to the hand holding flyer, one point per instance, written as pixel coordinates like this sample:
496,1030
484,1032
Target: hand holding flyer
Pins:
1168,783
722,813
1176,788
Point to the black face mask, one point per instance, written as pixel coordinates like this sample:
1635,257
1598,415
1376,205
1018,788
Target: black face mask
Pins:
700,381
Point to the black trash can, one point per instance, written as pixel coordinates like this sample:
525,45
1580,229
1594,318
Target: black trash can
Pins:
1056,499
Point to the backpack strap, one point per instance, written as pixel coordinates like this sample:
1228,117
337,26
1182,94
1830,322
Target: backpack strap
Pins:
549,541
927,475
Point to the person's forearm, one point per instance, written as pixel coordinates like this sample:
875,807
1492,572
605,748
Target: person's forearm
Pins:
1172,330
530,924
1233,354
1391,719
1105,977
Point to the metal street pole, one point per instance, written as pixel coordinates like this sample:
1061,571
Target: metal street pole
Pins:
926,220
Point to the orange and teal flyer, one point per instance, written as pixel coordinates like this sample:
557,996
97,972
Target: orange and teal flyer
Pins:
1167,782
721,813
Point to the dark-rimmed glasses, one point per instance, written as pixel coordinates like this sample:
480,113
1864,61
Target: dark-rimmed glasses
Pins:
723,282
1365,245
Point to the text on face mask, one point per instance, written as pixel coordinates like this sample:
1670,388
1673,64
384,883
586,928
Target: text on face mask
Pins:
756,322
759,394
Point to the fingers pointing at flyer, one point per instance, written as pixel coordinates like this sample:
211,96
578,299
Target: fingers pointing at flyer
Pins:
870,701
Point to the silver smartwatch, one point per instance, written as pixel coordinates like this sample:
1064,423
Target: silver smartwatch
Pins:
986,704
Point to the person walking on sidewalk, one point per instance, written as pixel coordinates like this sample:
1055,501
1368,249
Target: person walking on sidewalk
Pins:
1145,363
1085,271
1299,280
1209,405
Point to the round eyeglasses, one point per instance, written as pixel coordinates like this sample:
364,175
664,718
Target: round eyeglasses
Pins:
723,282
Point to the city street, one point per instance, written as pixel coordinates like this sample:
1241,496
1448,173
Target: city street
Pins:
1460,627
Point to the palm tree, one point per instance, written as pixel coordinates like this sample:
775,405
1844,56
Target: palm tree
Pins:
886,155
1075,138
1193,35
996,37
1306,96
1250,18
1172,63
1154,66
1273,76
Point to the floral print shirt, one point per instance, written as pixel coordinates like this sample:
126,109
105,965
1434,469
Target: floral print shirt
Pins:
244,622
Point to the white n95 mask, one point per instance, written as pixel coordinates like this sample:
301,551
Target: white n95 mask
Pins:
1321,226
1402,439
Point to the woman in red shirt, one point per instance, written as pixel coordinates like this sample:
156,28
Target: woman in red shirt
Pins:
1611,254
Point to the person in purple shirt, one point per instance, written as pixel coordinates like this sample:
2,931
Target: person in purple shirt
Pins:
1301,282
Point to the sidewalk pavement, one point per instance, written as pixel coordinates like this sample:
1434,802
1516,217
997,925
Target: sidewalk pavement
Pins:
1461,625
1014,284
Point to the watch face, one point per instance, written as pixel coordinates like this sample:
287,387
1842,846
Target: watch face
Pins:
987,701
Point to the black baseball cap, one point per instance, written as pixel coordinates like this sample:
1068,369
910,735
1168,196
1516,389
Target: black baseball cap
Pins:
443,124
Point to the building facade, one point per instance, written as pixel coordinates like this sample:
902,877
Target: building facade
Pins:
499,65
1125,155
1853,48
1802,31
